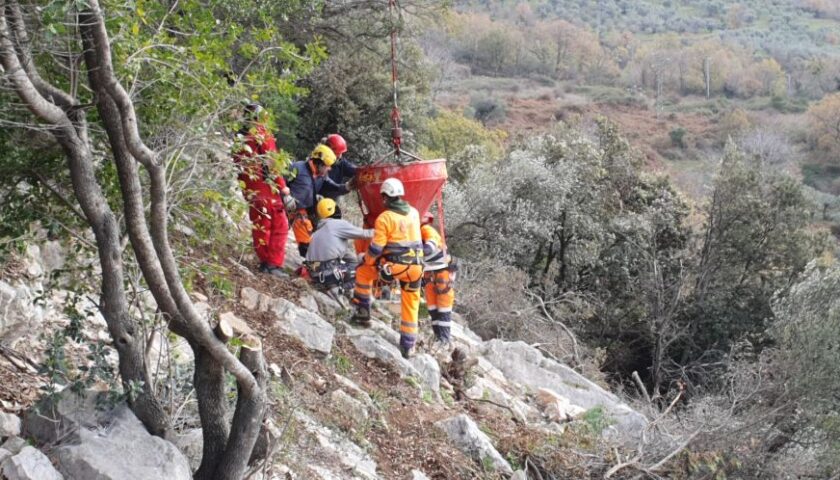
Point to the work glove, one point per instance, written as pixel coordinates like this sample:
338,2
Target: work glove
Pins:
289,203
351,184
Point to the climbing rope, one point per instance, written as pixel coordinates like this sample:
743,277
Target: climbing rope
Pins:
396,120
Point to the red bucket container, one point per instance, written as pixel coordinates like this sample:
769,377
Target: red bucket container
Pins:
423,182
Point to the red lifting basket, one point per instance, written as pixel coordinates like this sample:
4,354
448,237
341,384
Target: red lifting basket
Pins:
423,182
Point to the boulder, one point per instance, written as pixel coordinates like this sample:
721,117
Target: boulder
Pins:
333,448
385,331
59,417
371,345
249,298
293,258
556,407
526,365
191,444
53,256
14,445
121,450
519,475
4,454
9,425
348,406
487,389
466,435
30,464
313,331
429,371
18,312
326,304
354,389
464,336
416,475
308,302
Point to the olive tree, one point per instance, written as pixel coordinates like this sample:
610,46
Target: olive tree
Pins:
58,60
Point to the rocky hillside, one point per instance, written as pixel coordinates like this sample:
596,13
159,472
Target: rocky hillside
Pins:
344,403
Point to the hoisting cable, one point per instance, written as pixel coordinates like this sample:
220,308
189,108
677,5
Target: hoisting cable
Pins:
396,129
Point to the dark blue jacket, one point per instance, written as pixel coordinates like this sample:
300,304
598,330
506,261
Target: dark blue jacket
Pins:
340,173
304,186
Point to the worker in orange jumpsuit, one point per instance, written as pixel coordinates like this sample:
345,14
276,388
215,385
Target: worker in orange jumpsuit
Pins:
264,189
395,253
440,295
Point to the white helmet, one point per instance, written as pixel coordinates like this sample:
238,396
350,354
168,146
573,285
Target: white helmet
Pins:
392,187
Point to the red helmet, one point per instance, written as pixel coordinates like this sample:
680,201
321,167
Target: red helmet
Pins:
427,218
337,143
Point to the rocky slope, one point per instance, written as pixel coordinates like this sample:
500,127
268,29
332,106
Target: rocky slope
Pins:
345,404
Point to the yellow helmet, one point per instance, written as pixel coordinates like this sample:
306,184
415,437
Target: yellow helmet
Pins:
326,208
324,154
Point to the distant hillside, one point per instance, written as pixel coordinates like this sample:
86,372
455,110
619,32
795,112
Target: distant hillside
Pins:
782,27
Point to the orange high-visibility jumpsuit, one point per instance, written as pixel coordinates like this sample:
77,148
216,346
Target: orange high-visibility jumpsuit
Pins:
397,250
440,295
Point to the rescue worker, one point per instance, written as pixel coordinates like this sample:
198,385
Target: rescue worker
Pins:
306,179
330,262
395,253
440,295
342,172
263,188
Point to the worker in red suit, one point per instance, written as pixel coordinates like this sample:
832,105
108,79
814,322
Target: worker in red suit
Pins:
264,188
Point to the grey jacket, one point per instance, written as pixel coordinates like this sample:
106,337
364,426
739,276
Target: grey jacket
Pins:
329,241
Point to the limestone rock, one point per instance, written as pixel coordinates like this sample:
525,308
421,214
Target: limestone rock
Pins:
348,406
30,464
53,256
526,365
354,389
14,445
466,435
464,336
429,371
416,475
372,345
249,298
121,450
519,475
308,302
191,444
556,407
61,416
352,460
326,304
485,388
313,331
385,331
9,425
4,454
18,312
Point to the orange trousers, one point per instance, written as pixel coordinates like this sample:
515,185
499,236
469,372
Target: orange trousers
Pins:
409,277
440,297
302,228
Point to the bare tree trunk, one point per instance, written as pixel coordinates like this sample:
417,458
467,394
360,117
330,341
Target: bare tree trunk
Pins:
70,130
226,451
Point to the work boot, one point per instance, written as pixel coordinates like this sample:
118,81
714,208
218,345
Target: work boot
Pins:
361,317
407,352
273,270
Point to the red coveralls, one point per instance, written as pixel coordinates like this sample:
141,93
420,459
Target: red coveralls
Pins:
270,226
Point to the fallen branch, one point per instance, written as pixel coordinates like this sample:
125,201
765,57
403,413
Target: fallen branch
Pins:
491,402
634,462
641,386
670,407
